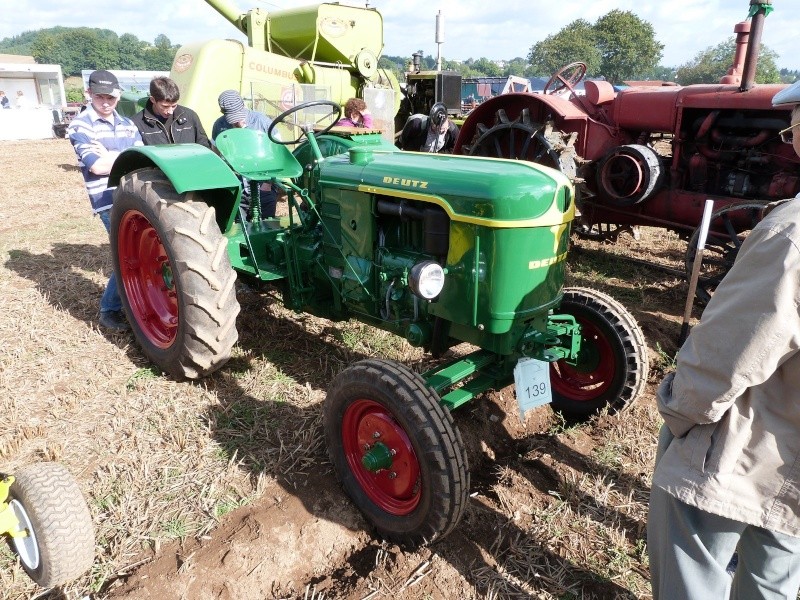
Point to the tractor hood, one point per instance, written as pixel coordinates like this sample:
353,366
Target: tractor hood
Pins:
487,191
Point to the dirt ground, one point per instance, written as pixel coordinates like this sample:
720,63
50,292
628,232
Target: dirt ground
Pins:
222,488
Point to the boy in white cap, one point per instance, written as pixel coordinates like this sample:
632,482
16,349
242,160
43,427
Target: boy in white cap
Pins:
98,135
727,477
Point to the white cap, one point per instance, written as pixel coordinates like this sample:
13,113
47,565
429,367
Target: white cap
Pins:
790,95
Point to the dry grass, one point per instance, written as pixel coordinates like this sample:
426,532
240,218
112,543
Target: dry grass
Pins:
158,460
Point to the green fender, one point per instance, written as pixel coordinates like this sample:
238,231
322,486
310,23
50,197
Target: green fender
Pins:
190,168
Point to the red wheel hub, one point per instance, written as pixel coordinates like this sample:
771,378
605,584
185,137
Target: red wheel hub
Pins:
148,280
396,488
594,373
622,176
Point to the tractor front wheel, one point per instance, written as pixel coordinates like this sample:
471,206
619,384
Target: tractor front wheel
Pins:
611,370
58,545
175,279
396,451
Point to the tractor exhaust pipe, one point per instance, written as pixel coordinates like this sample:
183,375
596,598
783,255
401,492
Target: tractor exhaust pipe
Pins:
754,45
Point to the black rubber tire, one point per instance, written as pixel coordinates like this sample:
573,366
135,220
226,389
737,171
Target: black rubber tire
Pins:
622,334
204,279
437,443
61,522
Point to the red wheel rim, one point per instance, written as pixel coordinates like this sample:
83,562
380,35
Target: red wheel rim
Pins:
148,280
594,373
396,489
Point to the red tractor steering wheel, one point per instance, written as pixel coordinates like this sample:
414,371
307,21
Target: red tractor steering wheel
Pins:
566,77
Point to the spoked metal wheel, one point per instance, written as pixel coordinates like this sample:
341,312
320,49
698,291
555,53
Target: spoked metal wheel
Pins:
58,545
599,232
728,229
523,139
566,78
176,281
396,451
611,370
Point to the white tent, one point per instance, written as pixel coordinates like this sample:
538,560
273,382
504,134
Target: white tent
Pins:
42,88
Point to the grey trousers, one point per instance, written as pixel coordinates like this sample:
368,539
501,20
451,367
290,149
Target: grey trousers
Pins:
690,550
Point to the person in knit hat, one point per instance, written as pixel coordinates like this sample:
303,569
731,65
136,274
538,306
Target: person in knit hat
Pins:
236,114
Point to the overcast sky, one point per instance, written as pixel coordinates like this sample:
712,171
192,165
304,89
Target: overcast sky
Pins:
472,28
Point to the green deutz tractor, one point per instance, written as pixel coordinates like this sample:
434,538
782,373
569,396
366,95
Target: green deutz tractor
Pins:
441,250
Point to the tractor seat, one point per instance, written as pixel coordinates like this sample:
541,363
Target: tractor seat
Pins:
253,155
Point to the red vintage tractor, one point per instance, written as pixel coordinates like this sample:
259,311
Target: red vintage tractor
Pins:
720,142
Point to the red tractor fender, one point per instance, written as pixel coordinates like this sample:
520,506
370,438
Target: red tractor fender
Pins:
593,136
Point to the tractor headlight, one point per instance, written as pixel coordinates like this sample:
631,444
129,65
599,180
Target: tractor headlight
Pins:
426,279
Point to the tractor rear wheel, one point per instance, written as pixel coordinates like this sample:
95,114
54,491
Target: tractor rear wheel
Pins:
176,281
523,139
59,545
396,451
612,366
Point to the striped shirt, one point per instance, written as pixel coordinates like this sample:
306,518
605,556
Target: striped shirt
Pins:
116,134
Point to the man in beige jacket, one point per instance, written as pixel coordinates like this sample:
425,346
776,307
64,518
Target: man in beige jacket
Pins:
727,476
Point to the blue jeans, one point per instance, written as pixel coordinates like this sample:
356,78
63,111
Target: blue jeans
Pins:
110,301
690,550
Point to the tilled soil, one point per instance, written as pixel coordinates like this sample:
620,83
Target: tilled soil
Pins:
222,488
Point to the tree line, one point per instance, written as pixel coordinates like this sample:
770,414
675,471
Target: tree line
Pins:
78,48
619,46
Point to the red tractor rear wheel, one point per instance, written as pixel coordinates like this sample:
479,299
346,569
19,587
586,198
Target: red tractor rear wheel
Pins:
175,278
612,366
396,451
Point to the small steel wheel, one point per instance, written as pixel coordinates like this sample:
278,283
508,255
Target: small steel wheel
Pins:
396,451
59,542
728,229
567,77
611,370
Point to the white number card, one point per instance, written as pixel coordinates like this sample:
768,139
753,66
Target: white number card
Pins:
532,383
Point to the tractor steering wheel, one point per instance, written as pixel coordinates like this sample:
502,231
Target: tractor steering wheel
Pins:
308,124
566,77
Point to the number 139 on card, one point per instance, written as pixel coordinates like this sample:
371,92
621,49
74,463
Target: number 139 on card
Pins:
532,383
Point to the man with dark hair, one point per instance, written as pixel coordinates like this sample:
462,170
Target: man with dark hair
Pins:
431,133
727,476
98,135
164,121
